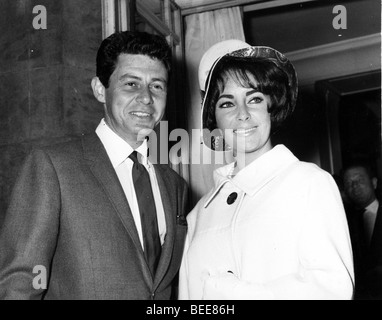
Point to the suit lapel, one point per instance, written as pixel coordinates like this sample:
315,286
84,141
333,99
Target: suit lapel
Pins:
168,207
376,241
102,169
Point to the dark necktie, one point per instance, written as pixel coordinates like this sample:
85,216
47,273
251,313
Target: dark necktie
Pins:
146,203
362,238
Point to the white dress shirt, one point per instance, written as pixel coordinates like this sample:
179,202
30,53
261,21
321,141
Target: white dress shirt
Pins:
369,218
119,151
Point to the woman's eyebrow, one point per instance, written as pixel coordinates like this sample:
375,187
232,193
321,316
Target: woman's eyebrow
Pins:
228,96
254,90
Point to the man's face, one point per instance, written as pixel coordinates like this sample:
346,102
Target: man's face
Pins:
135,100
359,187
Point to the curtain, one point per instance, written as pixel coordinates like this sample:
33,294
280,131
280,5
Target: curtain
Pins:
201,32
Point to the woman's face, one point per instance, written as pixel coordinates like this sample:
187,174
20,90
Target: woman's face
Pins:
242,114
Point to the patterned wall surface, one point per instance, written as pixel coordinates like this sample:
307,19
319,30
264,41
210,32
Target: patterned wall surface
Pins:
45,74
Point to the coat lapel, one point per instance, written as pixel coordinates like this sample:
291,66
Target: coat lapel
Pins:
102,169
168,207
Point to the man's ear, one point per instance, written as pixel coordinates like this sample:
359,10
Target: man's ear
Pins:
98,90
374,181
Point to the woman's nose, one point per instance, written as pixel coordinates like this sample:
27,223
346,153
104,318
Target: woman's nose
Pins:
145,96
243,114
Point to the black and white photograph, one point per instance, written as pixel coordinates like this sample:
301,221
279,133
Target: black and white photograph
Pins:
190,154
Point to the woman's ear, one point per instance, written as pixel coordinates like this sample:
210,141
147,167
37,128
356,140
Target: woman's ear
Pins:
98,90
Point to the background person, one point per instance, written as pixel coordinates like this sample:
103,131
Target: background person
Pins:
76,209
364,213
273,227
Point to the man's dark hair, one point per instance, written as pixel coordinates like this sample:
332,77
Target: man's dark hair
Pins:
128,42
359,162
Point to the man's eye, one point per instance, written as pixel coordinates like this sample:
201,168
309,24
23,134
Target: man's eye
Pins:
158,87
131,84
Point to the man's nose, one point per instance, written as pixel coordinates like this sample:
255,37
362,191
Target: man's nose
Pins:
355,183
145,96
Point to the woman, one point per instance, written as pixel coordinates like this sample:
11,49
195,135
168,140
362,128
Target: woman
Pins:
273,227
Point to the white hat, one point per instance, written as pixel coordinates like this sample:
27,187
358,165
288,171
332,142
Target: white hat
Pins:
213,54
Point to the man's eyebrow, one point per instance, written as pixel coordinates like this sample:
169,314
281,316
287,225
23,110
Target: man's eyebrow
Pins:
128,75
160,79
134,77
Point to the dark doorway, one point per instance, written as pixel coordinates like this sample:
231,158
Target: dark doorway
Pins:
351,113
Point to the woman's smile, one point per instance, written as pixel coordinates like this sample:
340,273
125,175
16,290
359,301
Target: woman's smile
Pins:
244,131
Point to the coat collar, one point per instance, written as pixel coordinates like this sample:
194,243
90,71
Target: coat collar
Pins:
255,175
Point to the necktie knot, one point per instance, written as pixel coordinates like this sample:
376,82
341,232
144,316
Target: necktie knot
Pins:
134,157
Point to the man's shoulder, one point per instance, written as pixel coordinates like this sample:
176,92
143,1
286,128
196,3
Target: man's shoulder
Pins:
71,148
60,150
69,143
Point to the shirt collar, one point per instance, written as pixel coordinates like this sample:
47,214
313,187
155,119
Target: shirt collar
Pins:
373,207
255,175
118,149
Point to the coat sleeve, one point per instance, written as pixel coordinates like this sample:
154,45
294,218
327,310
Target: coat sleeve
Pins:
325,269
184,277
183,274
28,235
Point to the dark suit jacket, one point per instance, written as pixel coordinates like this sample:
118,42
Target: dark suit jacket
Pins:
367,258
68,213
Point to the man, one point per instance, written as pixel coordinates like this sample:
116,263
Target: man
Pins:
364,213
76,213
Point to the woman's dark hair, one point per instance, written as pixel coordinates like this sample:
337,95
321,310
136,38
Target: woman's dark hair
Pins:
154,46
271,80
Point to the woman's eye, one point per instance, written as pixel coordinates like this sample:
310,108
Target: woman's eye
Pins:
226,105
256,100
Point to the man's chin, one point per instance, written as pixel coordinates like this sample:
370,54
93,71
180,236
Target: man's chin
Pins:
143,133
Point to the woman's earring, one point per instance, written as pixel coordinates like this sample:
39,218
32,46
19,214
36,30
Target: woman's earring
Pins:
217,143
227,147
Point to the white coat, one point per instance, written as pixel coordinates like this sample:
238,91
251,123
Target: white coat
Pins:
285,237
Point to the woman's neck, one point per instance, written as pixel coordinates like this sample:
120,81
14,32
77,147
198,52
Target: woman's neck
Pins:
245,158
